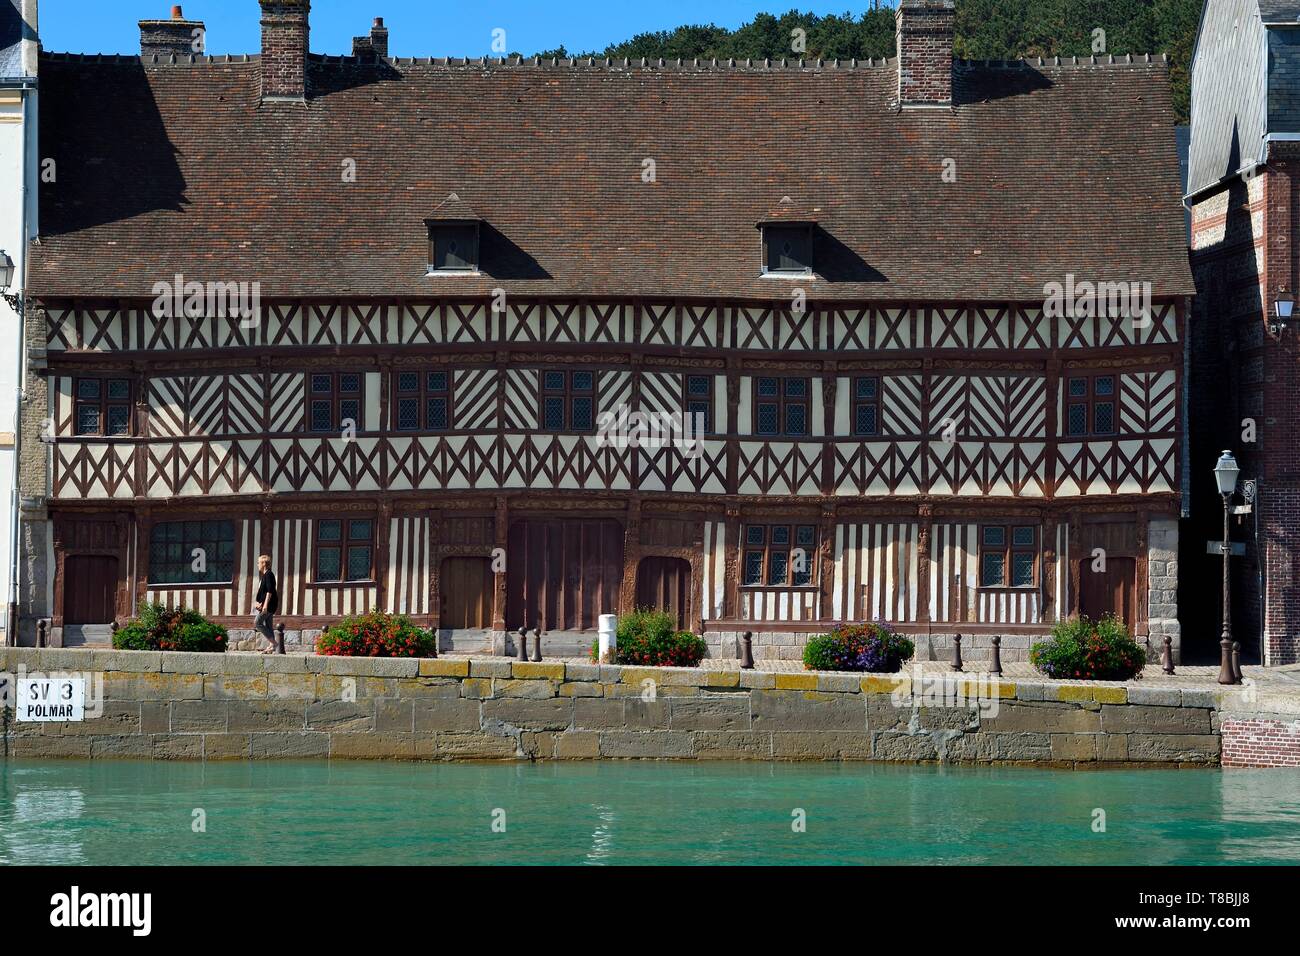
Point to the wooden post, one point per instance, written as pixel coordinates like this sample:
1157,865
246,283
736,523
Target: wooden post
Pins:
501,535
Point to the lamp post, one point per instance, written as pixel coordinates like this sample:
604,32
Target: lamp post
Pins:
1225,475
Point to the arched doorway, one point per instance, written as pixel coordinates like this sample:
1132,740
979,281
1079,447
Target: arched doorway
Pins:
665,584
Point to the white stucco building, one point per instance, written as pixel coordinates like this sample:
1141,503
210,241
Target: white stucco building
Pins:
19,169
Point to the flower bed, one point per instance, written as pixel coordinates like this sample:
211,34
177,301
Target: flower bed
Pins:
160,628
874,647
376,635
651,639
1081,649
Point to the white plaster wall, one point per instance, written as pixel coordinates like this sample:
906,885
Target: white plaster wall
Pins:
19,164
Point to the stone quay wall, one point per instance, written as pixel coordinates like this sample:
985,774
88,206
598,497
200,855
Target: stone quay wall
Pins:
238,706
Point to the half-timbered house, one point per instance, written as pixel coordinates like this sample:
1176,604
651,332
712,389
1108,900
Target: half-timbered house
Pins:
862,287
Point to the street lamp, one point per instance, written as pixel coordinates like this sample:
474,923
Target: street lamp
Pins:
1225,474
6,280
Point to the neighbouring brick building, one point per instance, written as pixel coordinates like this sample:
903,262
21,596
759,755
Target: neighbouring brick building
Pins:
843,271
1244,357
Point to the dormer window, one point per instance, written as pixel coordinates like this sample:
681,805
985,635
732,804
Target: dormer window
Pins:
453,248
787,250
453,238
787,232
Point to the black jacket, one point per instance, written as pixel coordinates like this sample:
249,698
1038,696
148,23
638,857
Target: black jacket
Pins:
268,591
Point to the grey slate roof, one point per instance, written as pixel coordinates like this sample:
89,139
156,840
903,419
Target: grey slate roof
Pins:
11,35
1279,11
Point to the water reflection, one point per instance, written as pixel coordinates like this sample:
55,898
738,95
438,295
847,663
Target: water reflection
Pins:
39,823
610,813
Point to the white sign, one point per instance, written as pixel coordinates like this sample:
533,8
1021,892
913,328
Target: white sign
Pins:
52,698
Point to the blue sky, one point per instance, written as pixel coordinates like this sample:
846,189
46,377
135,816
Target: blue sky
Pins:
418,27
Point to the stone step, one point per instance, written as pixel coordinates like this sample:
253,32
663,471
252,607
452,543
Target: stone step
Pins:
87,635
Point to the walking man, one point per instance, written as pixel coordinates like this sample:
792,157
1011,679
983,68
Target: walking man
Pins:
268,602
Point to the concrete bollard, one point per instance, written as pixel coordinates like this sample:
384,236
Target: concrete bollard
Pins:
956,652
607,648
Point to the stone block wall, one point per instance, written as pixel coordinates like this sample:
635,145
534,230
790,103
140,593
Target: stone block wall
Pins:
236,706
789,645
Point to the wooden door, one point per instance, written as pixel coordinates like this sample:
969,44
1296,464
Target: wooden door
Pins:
663,584
89,589
467,587
1109,592
562,574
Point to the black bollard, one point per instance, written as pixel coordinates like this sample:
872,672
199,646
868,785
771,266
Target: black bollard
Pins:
1236,662
997,656
956,652
537,644
747,651
279,638
1167,658
521,646
112,628
40,632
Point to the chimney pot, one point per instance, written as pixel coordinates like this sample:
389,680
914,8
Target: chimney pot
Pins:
924,30
373,47
176,36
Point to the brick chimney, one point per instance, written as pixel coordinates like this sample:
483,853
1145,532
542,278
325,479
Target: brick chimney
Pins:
924,31
177,35
285,40
375,46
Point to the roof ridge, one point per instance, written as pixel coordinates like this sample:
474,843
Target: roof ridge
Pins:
697,64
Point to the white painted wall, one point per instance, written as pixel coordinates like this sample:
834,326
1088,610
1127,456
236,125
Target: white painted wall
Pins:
19,170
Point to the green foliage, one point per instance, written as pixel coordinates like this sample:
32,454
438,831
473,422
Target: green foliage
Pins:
1081,649
376,635
985,30
874,647
160,628
650,638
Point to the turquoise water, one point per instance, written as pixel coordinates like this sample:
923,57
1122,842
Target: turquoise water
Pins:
71,812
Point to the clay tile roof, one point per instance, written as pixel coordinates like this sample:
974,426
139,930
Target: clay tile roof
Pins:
166,167
453,209
789,211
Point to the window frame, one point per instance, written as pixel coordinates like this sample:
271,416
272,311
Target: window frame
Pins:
438,233
1008,551
857,402
422,394
771,232
567,394
344,543
784,402
688,401
336,399
1089,402
187,548
102,404
768,546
